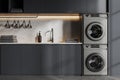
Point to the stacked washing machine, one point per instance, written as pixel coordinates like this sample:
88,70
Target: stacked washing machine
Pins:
95,44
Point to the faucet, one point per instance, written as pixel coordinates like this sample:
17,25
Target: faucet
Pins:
51,35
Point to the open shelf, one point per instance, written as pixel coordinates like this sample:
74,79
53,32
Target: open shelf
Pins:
27,31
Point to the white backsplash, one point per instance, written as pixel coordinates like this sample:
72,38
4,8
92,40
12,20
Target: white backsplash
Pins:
28,35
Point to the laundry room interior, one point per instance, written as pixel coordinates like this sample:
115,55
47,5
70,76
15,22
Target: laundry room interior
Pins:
59,40
62,45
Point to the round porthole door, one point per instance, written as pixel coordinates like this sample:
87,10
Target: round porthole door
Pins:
95,62
95,31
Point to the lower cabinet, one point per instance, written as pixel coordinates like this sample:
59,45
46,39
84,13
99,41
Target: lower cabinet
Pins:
11,60
71,60
40,59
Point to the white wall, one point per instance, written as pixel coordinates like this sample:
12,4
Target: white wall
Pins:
28,35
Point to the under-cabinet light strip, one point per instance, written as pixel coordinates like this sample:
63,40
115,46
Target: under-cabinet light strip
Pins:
59,17
41,17
44,18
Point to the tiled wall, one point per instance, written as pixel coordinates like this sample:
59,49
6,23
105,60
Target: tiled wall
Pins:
63,31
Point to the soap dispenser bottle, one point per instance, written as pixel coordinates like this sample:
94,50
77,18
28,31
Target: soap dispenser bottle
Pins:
39,37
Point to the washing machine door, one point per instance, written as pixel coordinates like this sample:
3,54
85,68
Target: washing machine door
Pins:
95,62
95,31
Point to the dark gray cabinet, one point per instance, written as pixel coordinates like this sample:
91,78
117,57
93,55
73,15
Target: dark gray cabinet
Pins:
3,6
65,6
114,6
11,59
40,59
15,6
11,6
114,36
114,44
97,6
31,56
23,59
50,60
54,6
71,60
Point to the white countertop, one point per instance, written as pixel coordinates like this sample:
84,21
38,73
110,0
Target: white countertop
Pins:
41,43
57,78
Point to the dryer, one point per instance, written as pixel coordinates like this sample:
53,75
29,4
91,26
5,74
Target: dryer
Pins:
95,29
95,60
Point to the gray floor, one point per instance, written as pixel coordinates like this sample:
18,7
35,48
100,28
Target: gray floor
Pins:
57,78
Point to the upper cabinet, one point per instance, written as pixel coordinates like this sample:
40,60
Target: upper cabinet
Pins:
65,6
9,6
3,6
114,6
97,6
53,6
15,6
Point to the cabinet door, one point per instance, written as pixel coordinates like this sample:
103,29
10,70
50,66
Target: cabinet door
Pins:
114,36
20,59
61,60
114,6
11,59
33,6
71,60
55,6
40,59
31,57
3,6
15,6
76,6
50,64
96,6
